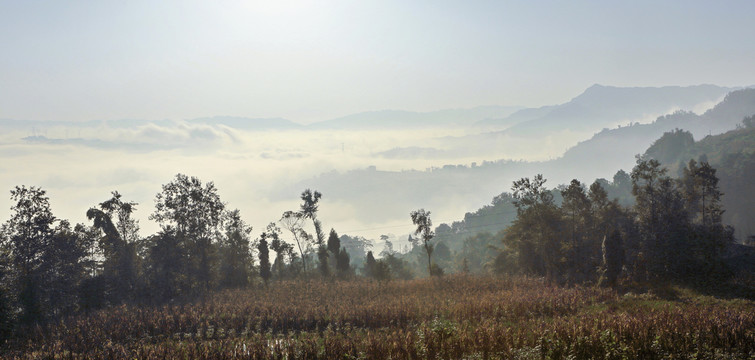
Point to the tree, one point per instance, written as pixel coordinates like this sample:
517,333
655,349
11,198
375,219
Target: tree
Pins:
670,146
339,255
118,246
398,267
613,258
65,269
703,202
662,220
607,216
530,193
382,271
421,219
749,122
309,211
292,221
334,243
29,234
576,207
127,227
166,265
479,251
235,253
196,213
369,265
264,255
323,257
533,236
388,247
342,262
375,269
281,248
700,187
6,305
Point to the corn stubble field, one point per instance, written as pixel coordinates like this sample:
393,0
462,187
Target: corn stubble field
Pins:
455,317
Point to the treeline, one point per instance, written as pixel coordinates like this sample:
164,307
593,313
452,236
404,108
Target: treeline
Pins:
672,232
572,234
50,268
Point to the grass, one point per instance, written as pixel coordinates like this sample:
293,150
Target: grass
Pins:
455,317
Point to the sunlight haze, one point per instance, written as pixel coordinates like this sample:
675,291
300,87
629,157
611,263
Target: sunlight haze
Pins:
309,61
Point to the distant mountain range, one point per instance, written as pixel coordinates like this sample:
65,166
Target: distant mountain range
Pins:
598,107
599,157
607,106
619,145
395,119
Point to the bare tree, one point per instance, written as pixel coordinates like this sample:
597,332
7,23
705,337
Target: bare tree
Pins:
293,221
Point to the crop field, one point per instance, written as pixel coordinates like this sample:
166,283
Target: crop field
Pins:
454,317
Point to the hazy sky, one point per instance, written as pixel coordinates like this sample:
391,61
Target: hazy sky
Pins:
313,60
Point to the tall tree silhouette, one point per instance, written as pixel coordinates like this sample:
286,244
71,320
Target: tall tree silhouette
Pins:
421,219
195,210
263,252
535,232
118,246
310,204
235,253
29,234
293,221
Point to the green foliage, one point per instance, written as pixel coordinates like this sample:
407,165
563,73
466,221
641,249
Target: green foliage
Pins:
309,208
342,263
369,265
235,253
670,146
195,211
323,257
263,252
65,268
118,246
381,271
334,243
436,270
578,220
479,251
613,258
699,187
536,233
749,122
292,221
399,268
166,267
29,233
531,193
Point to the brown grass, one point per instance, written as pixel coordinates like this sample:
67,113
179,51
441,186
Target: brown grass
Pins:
450,318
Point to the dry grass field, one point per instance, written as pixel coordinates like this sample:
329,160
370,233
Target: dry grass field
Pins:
454,317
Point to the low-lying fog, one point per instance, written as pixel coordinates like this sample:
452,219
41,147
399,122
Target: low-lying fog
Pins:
254,171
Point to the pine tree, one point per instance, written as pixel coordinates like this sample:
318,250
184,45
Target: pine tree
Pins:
29,234
342,262
264,255
369,265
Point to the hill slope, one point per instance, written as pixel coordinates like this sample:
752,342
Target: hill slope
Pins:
607,106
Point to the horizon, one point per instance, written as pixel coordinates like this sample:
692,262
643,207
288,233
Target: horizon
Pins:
514,108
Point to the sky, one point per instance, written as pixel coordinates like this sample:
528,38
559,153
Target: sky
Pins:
309,61
315,60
